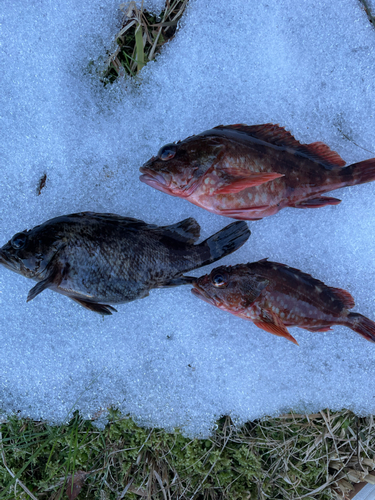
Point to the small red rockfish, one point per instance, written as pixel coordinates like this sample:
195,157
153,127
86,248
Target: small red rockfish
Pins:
250,172
274,296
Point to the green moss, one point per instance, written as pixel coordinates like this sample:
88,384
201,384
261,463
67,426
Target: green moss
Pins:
284,457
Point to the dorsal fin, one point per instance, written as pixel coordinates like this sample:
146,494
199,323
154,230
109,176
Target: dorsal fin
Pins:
345,296
278,136
186,231
337,298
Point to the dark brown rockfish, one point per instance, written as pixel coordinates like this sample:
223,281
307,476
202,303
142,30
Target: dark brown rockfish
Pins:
274,296
250,172
94,258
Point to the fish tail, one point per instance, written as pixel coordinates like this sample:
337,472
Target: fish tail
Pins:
224,242
359,173
362,325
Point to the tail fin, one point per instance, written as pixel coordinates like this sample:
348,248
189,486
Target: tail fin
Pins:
362,325
359,173
224,242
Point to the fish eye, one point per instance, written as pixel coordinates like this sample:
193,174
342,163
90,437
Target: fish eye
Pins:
220,280
18,241
167,152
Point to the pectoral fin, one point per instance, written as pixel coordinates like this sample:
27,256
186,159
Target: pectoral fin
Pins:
273,324
234,184
52,279
103,309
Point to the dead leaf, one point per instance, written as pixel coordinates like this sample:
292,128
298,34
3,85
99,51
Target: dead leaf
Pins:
78,481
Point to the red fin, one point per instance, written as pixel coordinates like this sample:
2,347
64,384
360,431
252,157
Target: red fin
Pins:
318,329
278,136
322,201
334,299
242,213
237,184
359,173
273,324
362,325
344,296
321,153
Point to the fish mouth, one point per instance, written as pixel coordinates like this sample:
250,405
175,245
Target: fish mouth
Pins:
4,261
201,294
148,178
155,180
10,263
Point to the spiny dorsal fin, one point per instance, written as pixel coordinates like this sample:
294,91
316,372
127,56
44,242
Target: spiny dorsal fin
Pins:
111,218
186,231
342,298
278,136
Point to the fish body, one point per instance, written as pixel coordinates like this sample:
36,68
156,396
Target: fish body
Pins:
250,172
275,296
94,258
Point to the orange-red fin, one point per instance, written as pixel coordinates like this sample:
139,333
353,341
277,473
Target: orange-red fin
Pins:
322,201
236,184
242,213
318,329
344,296
273,324
321,153
278,136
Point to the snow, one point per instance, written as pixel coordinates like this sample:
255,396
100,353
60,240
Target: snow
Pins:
171,360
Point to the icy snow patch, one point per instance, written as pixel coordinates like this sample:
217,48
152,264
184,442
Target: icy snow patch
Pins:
171,360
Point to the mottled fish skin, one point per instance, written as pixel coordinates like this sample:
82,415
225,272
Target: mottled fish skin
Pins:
275,296
250,172
94,258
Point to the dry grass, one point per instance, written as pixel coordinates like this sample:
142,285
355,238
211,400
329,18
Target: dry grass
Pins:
141,37
294,456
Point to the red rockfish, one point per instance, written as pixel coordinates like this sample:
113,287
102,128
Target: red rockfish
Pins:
274,296
250,172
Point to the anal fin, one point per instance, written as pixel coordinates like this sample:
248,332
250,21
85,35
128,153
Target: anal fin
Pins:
321,201
103,309
318,329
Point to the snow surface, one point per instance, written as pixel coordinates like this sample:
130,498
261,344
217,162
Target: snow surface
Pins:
171,360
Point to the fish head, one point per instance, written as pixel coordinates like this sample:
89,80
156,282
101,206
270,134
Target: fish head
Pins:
232,289
31,251
179,168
